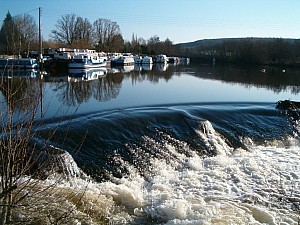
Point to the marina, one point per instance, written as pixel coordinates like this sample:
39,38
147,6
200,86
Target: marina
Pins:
60,60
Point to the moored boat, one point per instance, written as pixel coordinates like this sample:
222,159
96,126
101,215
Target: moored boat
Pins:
143,60
138,59
86,61
161,59
18,63
125,60
147,60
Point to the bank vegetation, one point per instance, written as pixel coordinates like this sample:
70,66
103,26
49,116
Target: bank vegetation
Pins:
256,51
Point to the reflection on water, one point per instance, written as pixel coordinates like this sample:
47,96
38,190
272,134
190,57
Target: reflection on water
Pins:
86,74
19,89
73,93
154,84
10,73
275,79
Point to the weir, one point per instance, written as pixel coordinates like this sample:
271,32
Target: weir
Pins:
49,161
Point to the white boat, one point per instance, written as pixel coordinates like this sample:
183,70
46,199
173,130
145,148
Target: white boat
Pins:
18,63
138,59
147,60
86,61
143,60
125,60
161,59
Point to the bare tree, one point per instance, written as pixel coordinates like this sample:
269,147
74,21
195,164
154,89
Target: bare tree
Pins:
14,142
73,31
167,47
154,45
27,31
99,32
105,31
84,32
27,158
66,29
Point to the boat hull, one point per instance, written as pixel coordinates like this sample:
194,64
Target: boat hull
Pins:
18,63
86,65
125,61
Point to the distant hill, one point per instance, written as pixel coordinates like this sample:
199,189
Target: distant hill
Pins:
213,42
267,51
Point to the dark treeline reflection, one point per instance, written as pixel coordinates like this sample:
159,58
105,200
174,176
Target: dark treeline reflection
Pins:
73,93
20,94
271,78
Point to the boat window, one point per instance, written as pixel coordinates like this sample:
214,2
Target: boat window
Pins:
78,60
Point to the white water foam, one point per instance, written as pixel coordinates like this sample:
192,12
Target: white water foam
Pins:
235,187
245,187
213,141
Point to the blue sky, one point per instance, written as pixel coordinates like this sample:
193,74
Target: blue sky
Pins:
180,21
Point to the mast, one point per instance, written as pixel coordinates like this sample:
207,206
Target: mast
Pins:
40,59
40,37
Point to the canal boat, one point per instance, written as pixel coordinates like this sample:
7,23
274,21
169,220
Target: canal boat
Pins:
86,61
161,59
18,63
138,59
143,60
147,60
125,60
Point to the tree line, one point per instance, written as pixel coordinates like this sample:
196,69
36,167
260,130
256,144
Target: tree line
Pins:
268,51
20,34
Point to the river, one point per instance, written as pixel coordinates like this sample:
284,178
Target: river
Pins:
187,144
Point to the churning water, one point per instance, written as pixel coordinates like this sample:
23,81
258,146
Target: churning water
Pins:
234,163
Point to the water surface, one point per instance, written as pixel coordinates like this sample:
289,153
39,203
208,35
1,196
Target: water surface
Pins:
193,144
176,85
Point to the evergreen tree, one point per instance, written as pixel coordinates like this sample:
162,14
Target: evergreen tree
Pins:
7,35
